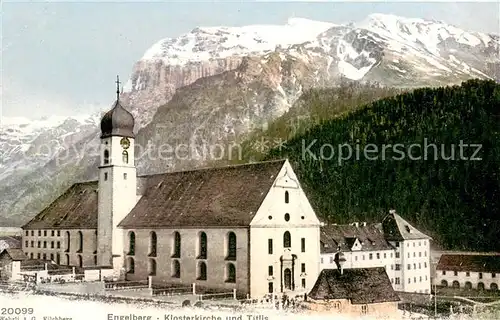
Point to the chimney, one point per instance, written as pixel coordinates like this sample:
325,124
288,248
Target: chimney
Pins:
392,211
340,261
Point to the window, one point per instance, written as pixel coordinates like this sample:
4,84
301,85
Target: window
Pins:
409,280
303,283
287,197
177,246
39,244
106,156
202,270
398,281
303,268
355,258
51,257
414,266
364,309
52,233
39,233
45,244
32,244
176,269
321,259
331,259
202,245
230,273
409,266
152,244
152,267
131,243
397,267
67,259
408,254
27,233
397,254
32,233
58,233
480,275
397,244
378,255
385,256
370,256
52,244
105,176
444,273
270,246
270,287
419,265
44,233
231,246
26,243
425,264
493,275
125,156
455,273
303,245
467,274
38,255
392,267
130,265
44,256
287,217
419,254
125,176
414,254
420,278
58,245
31,255
270,271
287,241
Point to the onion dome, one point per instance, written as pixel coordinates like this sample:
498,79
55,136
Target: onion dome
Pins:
118,121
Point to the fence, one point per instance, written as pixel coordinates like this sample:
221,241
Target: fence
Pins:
171,291
218,296
126,285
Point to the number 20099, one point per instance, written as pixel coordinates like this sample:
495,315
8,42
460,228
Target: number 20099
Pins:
9,311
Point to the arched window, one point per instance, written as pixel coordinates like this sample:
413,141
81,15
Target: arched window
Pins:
456,284
468,285
176,269
80,241
202,270
480,286
106,157
287,197
152,267
287,241
68,241
202,245
444,283
67,259
494,287
131,243
176,245
80,261
230,273
231,246
152,244
125,156
130,265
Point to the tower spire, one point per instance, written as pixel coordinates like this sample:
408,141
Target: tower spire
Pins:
117,88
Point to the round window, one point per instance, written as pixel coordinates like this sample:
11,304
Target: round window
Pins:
287,217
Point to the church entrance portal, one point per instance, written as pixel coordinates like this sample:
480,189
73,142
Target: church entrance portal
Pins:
288,279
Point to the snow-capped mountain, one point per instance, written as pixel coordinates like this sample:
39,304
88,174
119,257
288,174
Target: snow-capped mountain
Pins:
214,84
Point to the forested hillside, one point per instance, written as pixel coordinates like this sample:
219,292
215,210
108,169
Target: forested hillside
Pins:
453,195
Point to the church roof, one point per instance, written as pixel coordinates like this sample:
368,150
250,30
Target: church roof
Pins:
74,209
224,196
469,262
360,286
117,122
342,237
398,229
15,254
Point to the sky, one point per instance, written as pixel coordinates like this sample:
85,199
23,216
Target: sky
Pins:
62,58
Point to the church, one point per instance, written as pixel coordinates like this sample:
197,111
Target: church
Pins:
246,227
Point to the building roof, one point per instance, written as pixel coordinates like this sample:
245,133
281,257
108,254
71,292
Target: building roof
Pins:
76,208
360,286
342,237
398,229
224,196
15,254
10,242
117,122
468,262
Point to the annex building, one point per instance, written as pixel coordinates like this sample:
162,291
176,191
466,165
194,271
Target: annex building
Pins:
246,227
394,244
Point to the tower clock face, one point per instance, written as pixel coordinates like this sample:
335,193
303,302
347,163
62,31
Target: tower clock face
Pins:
125,143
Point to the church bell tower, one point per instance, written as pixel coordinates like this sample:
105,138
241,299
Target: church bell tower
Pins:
117,183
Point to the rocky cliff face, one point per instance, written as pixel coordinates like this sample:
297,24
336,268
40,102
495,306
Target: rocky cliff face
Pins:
196,96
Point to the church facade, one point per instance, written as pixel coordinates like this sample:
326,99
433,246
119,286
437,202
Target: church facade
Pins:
246,227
